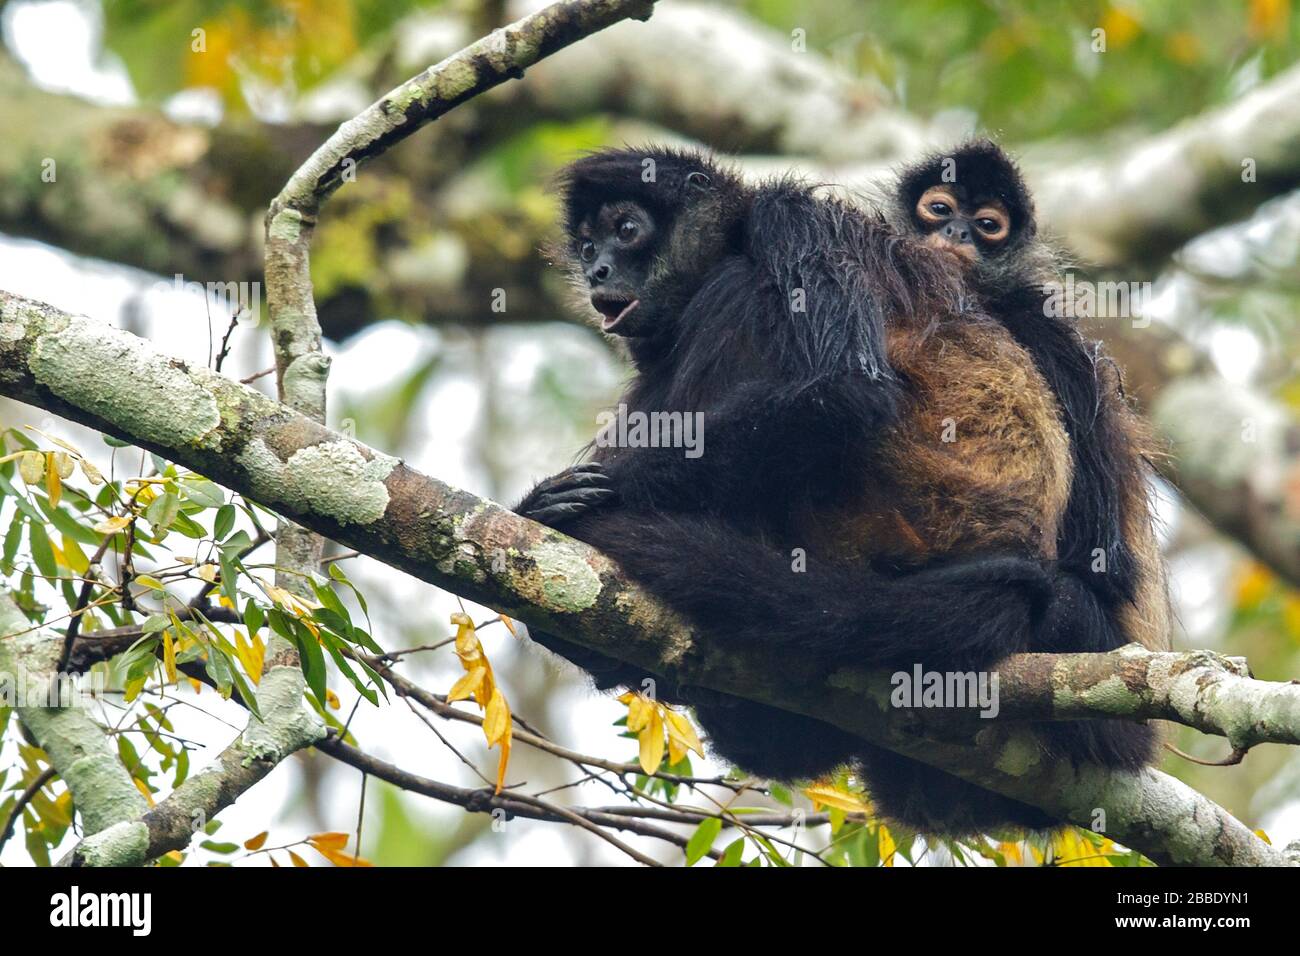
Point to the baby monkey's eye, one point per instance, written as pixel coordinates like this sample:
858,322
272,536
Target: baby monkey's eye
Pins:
587,250
628,230
940,208
988,225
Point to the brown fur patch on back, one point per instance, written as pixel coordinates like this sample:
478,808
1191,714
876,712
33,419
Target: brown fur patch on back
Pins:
980,460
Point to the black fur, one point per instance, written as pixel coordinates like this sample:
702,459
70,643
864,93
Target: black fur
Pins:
794,404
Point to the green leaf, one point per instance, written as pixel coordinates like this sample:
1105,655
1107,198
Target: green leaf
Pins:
218,669
732,854
42,553
162,511
215,847
69,525
13,538
25,506
189,527
229,576
341,662
702,840
312,658
253,617
205,493
325,594
224,522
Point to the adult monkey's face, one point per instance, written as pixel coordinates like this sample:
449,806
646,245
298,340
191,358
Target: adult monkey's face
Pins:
644,229
614,249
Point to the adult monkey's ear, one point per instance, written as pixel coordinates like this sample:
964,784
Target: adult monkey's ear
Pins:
699,180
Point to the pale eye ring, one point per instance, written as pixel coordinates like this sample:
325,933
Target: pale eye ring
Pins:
587,250
628,230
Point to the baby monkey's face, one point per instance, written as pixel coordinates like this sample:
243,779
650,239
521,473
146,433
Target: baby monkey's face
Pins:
970,227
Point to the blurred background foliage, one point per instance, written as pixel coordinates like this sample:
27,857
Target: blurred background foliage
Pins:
1025,68
492,403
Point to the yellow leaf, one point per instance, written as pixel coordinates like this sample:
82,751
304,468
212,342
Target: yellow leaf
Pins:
1071,849
331,840
113,525
92,473
639,709
340,858
467,685
143,788
652,742
468,648
58,441
148,581
63,464
827,795
503,762
195,685
332,699
1263,836
255,659
275,863
510,625
32,467
1268,18
1253,584
53,483
1121,27
75,557
169,656
257,842
681,735
885,841
208,572
496,720
297,860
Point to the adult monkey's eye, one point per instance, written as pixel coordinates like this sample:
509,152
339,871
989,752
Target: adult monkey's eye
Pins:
988,225
628,230
587,250
940,208
698,180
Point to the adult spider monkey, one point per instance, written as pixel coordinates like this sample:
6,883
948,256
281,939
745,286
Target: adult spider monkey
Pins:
972,203
830,358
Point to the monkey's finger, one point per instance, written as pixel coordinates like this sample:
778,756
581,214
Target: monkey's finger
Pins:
587,496
567,479
555,515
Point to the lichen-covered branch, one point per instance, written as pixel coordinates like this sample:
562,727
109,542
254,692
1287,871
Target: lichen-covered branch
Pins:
109,380
1201,689
77,746
286,726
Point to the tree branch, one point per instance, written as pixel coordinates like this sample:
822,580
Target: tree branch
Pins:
102,790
